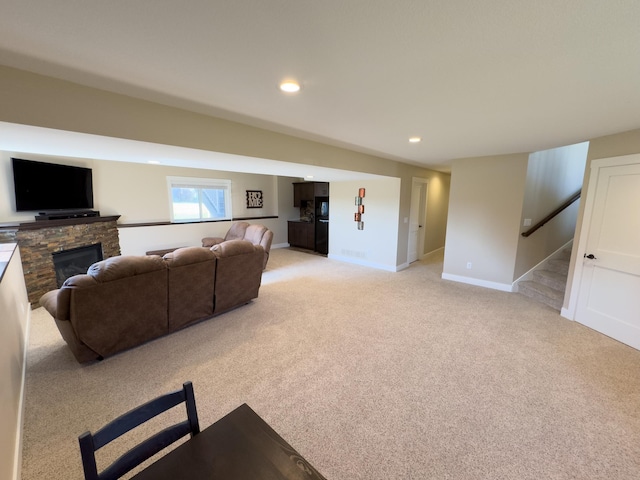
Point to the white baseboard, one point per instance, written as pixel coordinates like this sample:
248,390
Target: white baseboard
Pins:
280,245
566,313
504,287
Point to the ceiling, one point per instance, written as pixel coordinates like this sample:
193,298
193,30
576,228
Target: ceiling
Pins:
470,78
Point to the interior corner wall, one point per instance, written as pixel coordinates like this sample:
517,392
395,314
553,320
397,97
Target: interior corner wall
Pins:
485,207
553,176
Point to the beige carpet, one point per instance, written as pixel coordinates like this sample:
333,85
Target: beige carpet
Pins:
370,375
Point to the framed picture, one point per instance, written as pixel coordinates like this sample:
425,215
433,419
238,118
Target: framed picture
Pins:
254,199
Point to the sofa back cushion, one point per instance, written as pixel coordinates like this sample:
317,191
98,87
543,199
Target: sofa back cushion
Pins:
254,233
192,272
238,273
236,231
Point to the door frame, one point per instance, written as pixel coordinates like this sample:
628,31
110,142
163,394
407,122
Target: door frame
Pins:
578,270
422,209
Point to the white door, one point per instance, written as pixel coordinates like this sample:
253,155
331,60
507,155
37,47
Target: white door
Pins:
417,220
609,294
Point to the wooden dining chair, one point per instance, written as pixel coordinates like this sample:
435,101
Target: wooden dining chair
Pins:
90,443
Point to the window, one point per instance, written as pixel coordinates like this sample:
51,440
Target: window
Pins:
197,199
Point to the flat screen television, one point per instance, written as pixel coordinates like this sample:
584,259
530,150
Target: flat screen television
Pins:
47,187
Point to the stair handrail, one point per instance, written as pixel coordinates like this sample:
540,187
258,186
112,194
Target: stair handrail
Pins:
567,203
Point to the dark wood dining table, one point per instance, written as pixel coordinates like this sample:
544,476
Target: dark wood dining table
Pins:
239,446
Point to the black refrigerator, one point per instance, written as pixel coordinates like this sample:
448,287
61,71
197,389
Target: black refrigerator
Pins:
322,225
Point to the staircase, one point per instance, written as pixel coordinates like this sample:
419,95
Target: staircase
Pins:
548,284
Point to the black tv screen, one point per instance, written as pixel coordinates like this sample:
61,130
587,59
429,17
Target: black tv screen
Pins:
44,187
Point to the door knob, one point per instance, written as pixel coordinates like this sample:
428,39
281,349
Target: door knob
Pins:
591,256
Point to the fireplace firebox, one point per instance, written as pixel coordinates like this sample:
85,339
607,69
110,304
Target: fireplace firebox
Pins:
74,261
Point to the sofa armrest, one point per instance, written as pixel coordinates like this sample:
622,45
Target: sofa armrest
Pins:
188,256
211,241
49,301
58,302
231,248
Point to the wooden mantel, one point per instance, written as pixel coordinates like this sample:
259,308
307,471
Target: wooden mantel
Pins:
36,225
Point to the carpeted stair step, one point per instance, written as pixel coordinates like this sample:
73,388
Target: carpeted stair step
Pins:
559,265
555,280
542,293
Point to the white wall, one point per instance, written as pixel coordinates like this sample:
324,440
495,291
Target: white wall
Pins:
377,244
485,207
14,321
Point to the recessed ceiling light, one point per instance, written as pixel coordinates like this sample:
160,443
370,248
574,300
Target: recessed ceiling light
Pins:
153,162
415,139
309,176
290,86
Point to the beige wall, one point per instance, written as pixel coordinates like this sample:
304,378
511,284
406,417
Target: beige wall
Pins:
485,208
13,342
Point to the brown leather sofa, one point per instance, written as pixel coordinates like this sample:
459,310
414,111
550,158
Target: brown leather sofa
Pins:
124,301
254,233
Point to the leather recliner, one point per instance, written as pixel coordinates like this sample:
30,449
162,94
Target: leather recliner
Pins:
254,233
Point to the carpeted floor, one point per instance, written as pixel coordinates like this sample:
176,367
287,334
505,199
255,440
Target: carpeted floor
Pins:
370,375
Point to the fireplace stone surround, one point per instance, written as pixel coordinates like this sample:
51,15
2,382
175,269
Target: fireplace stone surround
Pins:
39,240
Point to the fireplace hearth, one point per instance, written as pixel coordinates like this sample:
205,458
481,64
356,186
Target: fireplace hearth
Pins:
74,261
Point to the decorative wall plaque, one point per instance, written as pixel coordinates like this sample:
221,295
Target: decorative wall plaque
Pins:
254,199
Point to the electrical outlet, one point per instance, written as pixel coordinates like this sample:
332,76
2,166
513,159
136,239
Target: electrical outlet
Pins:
469,265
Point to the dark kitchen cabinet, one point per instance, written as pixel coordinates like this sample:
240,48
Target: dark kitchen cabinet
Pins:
302,235
321,189
302,191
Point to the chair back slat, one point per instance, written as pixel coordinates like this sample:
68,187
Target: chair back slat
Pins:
136,417
89,443
145,450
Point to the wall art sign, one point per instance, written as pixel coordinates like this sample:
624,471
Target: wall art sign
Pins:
254,199
357,217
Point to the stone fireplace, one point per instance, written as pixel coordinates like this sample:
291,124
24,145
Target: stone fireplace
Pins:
39,241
